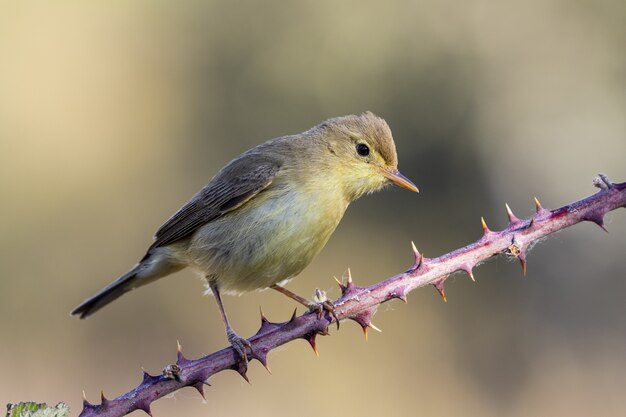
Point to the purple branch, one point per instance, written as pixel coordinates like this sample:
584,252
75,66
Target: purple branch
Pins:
360,304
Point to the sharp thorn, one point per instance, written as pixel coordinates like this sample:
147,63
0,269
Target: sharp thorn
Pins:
512,217
508,209
365,333
199,386
293,316
370,324
439,287
147,378
244,375
263,318
103,399
144,406
471,275
418,255
523,263
484,225
313,344
349,276
179,348
180,359
86,403
265,365
538,207
415,251
599,220
402,296
340,283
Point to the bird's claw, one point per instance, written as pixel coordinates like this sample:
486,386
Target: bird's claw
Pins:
240,345
321,304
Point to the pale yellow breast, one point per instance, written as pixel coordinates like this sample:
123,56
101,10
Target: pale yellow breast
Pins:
271,238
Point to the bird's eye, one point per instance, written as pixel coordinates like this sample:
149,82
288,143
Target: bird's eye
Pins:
362,149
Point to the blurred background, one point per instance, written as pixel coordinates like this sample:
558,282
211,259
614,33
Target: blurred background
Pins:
113,113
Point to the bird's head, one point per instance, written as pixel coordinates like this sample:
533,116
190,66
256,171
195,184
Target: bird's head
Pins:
364,154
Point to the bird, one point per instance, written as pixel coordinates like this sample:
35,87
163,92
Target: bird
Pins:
266,214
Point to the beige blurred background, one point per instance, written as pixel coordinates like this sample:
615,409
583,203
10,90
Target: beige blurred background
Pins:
113,113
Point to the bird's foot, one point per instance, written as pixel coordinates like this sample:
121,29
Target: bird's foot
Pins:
321,304
240,345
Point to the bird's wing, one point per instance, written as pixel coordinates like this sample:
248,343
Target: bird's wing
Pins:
232,187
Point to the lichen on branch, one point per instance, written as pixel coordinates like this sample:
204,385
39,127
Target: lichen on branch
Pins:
360,303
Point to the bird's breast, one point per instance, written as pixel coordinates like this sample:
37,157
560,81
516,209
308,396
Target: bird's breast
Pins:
271,238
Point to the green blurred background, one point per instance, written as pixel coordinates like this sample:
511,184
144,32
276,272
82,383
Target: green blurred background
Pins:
113,113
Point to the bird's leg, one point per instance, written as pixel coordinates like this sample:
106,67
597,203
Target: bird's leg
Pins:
320,304
238,343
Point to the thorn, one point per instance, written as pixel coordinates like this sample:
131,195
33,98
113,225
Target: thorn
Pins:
369,325
311,340
341,286
418,256
486,230
243,374
261,356
469,270
439,287
471,275
364,318
513,219
597,219
145,406
263,318
508,210
601,224
349,277
293,316
103,400
199,386
400,295
374,327
180,358
87,404
522,261
147,378
539,210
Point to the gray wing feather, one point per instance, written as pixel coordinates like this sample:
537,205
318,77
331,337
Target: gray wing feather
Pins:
235,184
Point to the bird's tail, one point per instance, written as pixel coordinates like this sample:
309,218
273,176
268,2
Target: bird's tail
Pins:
153,266
111,292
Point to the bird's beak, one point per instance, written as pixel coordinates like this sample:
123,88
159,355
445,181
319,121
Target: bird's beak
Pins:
395,177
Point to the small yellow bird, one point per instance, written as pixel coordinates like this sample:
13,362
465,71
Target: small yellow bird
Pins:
264,217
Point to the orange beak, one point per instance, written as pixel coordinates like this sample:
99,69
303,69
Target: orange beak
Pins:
398,179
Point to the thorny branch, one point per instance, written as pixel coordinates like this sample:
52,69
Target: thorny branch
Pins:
360,304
